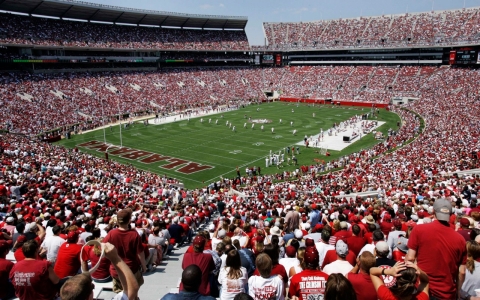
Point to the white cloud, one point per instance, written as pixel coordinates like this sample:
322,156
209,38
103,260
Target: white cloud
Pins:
221,5
206,6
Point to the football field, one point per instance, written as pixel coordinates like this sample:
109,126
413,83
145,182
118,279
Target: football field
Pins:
198,153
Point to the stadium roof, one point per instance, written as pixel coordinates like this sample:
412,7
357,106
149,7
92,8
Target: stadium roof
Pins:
106,13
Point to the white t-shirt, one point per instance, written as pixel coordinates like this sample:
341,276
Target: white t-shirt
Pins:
52,244
232,287
288,262
266,288
322,250
338,267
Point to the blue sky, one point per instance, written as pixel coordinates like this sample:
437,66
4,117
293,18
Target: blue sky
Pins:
259,11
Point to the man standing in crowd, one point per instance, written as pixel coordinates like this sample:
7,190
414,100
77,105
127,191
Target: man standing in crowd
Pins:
341,265
7,291
202,260
360,279
129,247
439,251
68,259
32,278
52,244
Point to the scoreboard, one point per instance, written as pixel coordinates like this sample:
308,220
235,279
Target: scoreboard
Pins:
466,56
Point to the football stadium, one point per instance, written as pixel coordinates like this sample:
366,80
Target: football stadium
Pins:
148,154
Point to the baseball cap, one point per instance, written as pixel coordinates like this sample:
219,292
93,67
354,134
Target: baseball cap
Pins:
382,246
72,236
343,225
298,233
443,209
221,233
464,222
124,216
309,242
414,218
211,227
199,241
341,248
402,244
397,223
290,251
311,256
21,239
10,220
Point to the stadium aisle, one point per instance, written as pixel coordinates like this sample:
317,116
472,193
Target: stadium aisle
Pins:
166,278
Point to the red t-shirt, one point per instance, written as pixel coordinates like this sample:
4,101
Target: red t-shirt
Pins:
68,260
103,269
308,284
129,246
18,254
356,243
363,286
205,262
439,245
5,268
385,294
31,281
398,255
331,256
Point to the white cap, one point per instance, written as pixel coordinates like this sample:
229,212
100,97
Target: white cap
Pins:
9,219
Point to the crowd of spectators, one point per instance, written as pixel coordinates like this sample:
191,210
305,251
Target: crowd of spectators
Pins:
88,100
424,29
24,30
42,185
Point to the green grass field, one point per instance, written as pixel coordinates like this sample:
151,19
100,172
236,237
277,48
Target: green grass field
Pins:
223,150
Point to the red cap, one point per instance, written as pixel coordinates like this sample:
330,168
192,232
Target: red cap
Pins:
72,236
311,256
290,251
199,241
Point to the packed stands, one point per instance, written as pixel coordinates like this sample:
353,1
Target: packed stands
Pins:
71,186
23,30
84,96
454,27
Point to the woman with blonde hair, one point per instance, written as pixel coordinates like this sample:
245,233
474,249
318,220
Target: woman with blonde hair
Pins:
470,272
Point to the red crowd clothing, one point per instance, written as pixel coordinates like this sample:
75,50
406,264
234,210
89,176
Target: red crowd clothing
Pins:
68,260
31,281
18,254
385,294
363,286
5,268
439,245
129,246
356,243
205,262
331,256
398,255
308,283
103,269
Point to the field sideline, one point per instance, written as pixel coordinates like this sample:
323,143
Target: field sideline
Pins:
198,153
